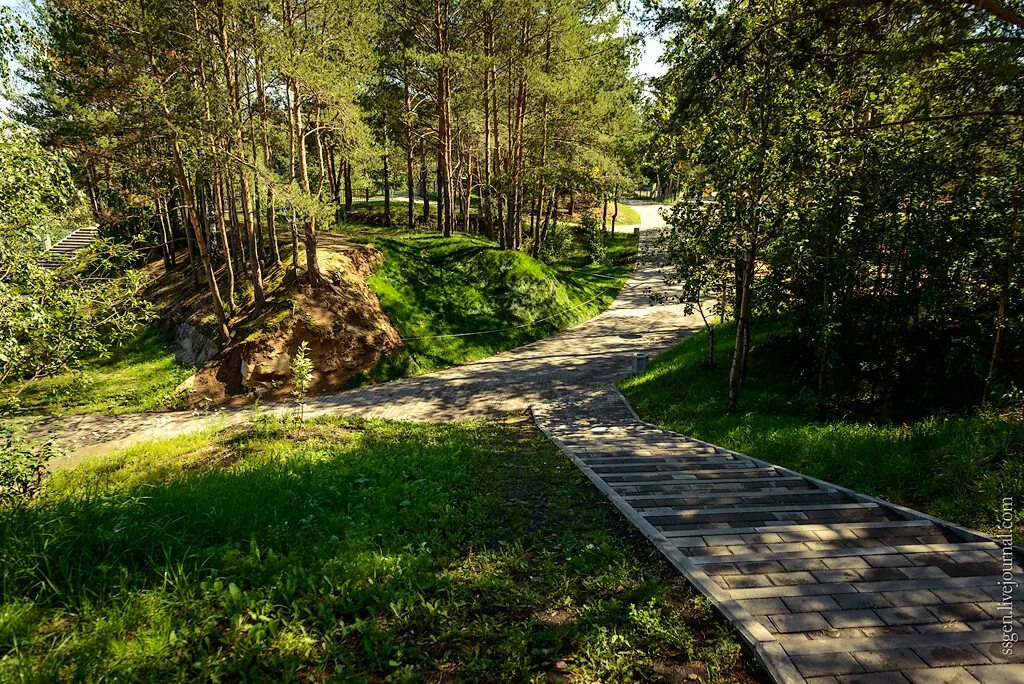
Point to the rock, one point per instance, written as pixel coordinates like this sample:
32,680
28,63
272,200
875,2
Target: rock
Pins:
193,348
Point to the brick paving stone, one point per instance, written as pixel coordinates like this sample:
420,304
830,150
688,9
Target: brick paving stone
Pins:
906,615
827,664
941,675
787,578
964,612
874,678
809,604
889,659
800,622
853,618
912,597
996,674
950,654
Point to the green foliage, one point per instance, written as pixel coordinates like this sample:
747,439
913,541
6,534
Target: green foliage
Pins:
22,466
364,551
851,153
51,322
138,374
37,196
48,325
955,467
436,289
559,244
593,239
301,368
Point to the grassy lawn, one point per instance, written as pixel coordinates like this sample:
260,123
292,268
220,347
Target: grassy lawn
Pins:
139,376
346,550
628,216
955,467
432,286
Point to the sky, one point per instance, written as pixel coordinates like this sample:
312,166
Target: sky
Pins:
649,55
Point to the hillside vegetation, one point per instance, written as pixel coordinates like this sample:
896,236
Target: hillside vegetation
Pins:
442,292
428,287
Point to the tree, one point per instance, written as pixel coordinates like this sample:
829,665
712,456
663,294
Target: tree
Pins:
857,159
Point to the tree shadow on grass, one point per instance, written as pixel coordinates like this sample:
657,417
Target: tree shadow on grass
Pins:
339,548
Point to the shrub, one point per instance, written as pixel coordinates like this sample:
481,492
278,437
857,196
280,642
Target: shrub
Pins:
302,375
558,244
593,238
22,465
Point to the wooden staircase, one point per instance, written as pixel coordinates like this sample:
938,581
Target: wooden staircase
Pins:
63,251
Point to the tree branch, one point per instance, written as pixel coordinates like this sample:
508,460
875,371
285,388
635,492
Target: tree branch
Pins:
997,10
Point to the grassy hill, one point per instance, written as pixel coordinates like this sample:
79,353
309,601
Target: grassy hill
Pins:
436,290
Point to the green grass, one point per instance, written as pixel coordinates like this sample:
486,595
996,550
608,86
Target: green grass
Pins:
628,216
955,467
139,376
432,286
343,550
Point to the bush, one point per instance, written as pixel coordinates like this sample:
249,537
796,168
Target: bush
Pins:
559,244
22,466
593,238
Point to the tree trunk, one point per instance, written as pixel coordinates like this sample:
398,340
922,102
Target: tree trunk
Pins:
410,210
261,95
469,194
997,344
445,187
387,191
485,188
309,225
188,202
423,183
223,233
615,213
167,247
234,95
742,332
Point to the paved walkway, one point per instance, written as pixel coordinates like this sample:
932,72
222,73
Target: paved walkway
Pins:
826,584
596,352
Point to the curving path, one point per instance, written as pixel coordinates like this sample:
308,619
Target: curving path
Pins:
596,352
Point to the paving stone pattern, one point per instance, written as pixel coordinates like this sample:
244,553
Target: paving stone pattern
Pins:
825,584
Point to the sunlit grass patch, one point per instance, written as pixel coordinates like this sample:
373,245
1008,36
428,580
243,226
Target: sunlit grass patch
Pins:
139,376
342,549
436,290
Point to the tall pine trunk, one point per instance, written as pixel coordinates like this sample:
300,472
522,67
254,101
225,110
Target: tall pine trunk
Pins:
410,210
234,97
